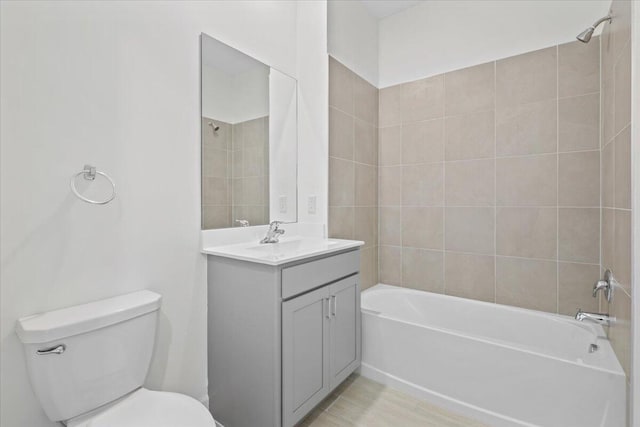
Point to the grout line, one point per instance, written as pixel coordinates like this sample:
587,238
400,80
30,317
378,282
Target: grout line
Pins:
557,178
495,184
444,188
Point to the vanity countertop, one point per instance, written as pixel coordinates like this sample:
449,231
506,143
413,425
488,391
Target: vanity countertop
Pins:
287,250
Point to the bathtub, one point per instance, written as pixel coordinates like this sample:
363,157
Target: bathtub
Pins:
501,365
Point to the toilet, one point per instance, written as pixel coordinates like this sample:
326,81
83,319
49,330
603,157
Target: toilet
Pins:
87,364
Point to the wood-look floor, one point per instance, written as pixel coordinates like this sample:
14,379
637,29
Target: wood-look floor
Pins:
362,402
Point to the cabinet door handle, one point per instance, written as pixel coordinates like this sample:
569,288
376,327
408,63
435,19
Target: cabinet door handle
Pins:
335,305
328,304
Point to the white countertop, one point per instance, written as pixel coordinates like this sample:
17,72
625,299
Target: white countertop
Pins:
287,250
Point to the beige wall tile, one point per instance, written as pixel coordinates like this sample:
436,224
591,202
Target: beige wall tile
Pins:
423,269
237,192
470,89
527,232
578,68
622,89
579,123
215,191
341,222
390,146
623,169
366,187
470,136
254,134
341,182
422,227
470,183
216,217
608,175
470,230
253,189
237,135
390,226
527,128
368,267
366,143
365,100
622,248
579,179
608,238
390,100
575,287
366,225
237,158
470,276
422,142
341,134
390,265
527,181
340,86
579,234
620,332
526,283
214,163
621,26
423,99
422,185
526,78
253,162
607,125
390,193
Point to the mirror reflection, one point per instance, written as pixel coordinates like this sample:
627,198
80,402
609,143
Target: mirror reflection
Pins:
248,130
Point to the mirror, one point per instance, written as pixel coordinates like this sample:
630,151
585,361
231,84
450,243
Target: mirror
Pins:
249,139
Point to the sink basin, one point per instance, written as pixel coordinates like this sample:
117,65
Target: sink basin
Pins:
287,250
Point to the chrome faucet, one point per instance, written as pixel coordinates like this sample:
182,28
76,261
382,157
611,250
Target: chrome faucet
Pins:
605,285
599,318
243,222
274,233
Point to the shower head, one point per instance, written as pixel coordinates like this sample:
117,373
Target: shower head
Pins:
585,36
214,126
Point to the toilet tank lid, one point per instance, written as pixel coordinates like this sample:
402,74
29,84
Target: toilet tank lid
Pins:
66,322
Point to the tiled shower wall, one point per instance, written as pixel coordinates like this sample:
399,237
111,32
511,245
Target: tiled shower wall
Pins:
490,181
353,159
235,173
616,172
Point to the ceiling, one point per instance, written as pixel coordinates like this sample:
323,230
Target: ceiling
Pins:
218,55
383,8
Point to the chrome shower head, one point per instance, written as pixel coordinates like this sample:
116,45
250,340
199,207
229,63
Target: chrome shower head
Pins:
214,126
585,36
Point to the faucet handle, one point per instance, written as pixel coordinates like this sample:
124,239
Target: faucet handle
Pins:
606,285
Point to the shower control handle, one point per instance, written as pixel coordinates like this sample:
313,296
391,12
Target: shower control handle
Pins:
606,285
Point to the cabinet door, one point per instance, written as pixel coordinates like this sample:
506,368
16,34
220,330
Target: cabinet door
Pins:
305,354
345,328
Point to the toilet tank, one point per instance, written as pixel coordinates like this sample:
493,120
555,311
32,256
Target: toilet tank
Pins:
82,357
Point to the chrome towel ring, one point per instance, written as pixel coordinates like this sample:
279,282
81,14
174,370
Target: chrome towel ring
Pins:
89,173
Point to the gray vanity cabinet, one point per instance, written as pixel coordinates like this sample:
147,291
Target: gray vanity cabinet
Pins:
280,338
320,345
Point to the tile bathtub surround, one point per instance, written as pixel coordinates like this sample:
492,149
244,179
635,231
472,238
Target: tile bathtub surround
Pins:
235,173
489,180
616,173
353,164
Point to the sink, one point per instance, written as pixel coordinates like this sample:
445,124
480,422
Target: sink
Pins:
287,250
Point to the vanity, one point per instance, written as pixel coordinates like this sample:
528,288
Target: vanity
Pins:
284,327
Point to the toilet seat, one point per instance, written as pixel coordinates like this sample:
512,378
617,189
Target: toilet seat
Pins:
146,408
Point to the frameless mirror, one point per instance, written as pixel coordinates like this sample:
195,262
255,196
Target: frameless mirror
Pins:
249,139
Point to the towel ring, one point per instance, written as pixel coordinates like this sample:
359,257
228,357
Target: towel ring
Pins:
89,173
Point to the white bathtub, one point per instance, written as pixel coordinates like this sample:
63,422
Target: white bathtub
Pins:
501,365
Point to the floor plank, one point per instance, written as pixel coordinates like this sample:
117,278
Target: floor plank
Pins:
361,402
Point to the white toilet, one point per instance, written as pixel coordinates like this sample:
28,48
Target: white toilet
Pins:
87,365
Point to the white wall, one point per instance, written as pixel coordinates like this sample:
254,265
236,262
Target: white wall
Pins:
439,36
353,37
313,110
114,84
237,98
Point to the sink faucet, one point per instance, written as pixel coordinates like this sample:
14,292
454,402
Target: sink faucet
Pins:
599,318
274,233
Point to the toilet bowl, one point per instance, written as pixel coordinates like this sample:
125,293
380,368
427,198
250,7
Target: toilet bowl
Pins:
87,365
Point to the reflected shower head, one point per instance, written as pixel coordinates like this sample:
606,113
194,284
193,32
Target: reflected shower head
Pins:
214,126
585,36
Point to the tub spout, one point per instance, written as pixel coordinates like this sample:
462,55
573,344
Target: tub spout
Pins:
599,318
